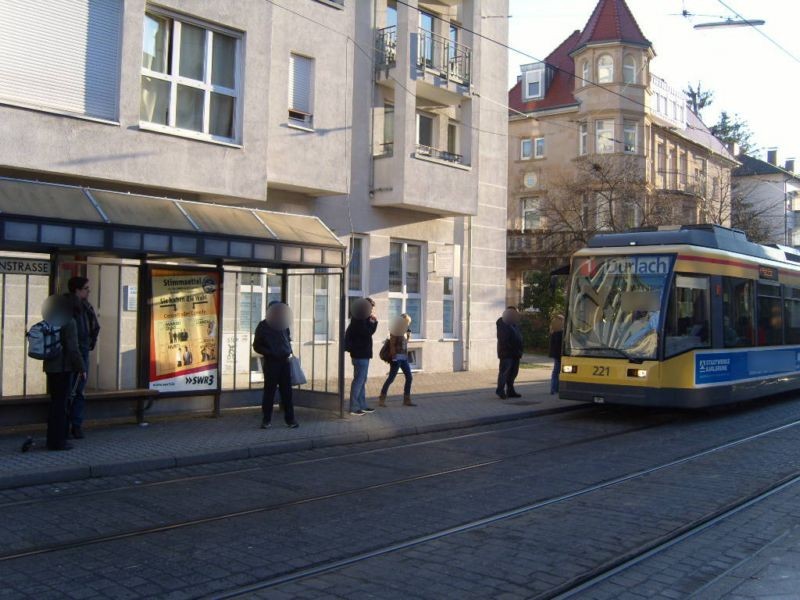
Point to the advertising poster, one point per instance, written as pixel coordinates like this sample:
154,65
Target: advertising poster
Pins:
184,330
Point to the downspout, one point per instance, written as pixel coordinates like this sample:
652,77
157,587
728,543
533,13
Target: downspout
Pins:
468,323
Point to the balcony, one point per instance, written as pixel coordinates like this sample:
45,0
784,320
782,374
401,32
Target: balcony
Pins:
542,243
386,48
443,155
679,182
447,59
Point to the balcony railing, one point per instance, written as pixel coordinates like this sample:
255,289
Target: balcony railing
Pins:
671,181
385,150
448,59
386,47
430,152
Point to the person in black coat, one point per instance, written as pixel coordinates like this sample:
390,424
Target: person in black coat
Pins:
358,342
272,341
556,341
509,351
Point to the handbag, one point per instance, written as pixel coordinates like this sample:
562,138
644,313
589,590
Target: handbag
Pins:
386,352
297,376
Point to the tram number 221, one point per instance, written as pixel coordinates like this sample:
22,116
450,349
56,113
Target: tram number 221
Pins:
601,371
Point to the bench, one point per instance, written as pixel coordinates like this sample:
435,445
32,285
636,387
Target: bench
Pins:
144,398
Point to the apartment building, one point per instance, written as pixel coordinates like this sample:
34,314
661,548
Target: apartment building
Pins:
238,153
599,142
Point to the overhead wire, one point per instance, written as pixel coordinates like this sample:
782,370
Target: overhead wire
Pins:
759,30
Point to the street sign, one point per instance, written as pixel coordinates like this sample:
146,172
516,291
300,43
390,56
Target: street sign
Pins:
24,266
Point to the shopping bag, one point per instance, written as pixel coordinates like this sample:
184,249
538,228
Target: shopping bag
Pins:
297,375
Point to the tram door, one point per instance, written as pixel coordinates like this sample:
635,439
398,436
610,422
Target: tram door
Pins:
21,298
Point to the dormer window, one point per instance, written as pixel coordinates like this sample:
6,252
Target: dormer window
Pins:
605,69
629,69
534,85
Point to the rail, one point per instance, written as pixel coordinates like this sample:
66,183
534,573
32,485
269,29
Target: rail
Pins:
449,59
430,152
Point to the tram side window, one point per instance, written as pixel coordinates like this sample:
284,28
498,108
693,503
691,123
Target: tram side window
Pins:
770,315
738,318
791,319
688,316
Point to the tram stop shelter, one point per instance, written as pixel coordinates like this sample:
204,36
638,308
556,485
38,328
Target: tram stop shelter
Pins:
179,287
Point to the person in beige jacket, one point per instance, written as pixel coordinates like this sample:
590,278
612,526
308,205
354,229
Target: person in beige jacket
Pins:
400,333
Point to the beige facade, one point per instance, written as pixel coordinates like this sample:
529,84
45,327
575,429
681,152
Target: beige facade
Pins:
305,134
605,145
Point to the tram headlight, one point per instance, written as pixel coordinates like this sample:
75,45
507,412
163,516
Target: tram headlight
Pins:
569,369
641,373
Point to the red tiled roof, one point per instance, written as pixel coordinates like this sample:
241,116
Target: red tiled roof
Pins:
612,20
559,92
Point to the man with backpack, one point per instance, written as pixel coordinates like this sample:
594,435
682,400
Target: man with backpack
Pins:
63,364
88,329
358,342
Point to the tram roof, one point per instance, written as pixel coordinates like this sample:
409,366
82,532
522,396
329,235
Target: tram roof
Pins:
706,236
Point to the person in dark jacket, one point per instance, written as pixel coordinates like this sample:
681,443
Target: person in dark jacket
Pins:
358,342
272,341
88,330
556,341
509,351
62,370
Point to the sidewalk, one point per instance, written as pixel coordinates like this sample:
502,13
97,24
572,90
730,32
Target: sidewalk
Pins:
445,401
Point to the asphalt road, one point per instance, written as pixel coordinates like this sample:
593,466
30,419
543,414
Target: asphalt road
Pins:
599,503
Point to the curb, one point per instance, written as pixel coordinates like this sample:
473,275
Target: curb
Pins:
284,447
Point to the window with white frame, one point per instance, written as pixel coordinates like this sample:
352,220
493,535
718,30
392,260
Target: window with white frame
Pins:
586,72
405,283
583,139
538,147
448,308
630,136
631,214
629,69
526,149
190,77
301,90
356,273
534,86
605,69
531,214
322,314
604,136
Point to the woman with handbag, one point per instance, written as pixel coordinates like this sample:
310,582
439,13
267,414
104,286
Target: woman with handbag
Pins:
273,342
400,333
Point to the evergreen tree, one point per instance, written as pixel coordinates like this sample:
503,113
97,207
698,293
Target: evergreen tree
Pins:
733,129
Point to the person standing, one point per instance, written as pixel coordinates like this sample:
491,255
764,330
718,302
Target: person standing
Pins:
509,351
556,341
62,371
400,332
88,329
272,341
358,342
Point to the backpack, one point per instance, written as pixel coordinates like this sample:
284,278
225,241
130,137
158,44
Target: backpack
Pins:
385,354
44,341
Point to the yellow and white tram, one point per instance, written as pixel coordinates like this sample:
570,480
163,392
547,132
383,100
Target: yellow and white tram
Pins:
685,317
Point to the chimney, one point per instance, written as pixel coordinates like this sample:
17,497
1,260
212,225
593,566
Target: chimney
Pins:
789,165
772,156
733,148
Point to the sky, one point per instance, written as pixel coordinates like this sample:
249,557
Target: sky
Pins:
749,75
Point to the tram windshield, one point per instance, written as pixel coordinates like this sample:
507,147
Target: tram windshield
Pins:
615,305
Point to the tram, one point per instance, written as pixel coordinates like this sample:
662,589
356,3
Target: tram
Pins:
686,316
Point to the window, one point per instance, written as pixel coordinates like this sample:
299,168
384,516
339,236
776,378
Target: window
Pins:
605,69
526,149
604,136
424,130
630,136
452,138
538,147
688,323
586,72
631,213
451,53
738,314
684,167
301,77
388,128
770,315
792,310
356,284
448,308
583,139
405,283
629,69
426,21
662,162
322,330
251,310
531,214
189,78
534,87
391,13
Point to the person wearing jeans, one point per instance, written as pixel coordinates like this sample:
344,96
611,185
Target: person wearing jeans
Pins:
398,351
358,342
556,340
88,329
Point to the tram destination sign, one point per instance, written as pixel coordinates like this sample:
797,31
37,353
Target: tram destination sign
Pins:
24,266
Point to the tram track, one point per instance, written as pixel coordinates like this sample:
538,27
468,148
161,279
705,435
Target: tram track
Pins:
134,533
572,588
